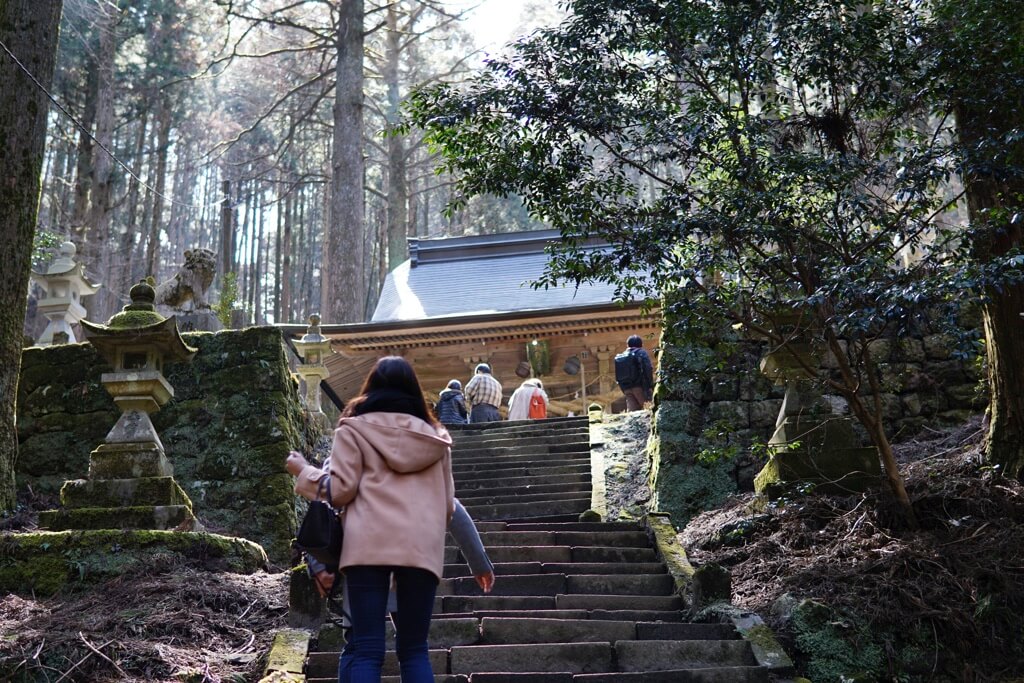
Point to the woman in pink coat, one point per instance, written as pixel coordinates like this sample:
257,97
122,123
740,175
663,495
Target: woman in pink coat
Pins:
390,466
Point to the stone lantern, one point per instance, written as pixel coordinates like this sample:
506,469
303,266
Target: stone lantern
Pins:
131,483
313,348
136,342
810,443
65,285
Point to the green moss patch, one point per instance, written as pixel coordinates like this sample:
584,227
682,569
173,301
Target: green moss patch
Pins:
44,562
126,319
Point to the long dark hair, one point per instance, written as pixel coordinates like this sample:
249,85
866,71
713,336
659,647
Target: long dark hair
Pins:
391,387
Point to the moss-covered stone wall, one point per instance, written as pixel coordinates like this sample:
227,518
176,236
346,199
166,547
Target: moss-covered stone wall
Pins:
713,402
233,419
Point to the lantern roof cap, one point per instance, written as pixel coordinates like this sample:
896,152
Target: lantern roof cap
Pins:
138,323
66,266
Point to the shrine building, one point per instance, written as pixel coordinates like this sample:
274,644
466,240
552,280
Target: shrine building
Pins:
460,301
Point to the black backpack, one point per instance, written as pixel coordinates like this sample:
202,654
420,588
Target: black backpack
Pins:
628,370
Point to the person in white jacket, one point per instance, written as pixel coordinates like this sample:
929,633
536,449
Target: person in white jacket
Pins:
519,401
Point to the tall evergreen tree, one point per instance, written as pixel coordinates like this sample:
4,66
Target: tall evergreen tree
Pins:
28,31
979,75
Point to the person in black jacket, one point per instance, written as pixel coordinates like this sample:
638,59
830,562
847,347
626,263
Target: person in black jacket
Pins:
451,405
634,373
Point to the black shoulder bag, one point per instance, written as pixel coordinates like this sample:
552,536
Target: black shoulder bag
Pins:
320,533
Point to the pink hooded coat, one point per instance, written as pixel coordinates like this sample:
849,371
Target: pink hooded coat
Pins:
393,474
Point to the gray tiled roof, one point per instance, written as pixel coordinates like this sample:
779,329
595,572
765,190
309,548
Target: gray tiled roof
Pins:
480,274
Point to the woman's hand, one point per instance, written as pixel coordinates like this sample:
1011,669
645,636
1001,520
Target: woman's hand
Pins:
295,463
485,581
324,581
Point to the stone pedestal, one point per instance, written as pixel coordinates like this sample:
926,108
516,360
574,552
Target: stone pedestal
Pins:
810,445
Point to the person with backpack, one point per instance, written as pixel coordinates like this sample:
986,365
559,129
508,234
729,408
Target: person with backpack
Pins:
451,405
528,402
634,374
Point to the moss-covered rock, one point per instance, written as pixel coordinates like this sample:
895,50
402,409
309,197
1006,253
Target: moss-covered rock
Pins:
671,551
684,486
44,563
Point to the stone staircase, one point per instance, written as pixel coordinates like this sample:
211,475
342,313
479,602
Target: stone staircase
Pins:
574,602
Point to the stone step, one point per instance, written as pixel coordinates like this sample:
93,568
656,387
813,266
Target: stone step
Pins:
567,568
572,491
525,584
518,483
561,657
669,617
482,438
516,448
325,664
555,584
572,601
566,553
620,584
492,525
520,445
589,602
119,493
545,444
572,450
162,517
568,517
503,630
512,631
444,633
534,677
539,470
569,487
475,603
544,508
652,655
551,424
655,630
618,602
617,539
525,457
538,436
576,526
730,674
527,467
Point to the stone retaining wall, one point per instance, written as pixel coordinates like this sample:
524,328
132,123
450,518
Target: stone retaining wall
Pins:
234,417
712,403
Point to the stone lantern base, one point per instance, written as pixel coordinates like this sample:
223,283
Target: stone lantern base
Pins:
130,486
826,456
839,472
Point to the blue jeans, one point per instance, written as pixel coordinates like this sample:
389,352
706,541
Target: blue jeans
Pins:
484,412
363,655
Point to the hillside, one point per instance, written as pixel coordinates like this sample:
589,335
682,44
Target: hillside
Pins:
939,603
